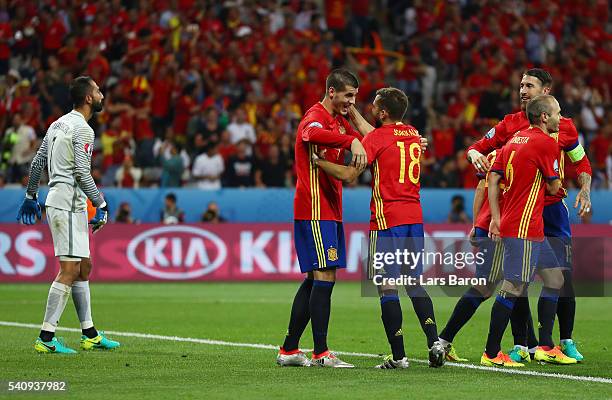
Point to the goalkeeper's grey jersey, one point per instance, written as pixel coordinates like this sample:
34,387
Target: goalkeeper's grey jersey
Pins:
66,152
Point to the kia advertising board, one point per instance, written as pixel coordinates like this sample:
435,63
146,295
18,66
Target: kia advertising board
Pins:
224,252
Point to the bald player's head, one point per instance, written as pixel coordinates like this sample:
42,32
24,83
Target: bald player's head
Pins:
544,111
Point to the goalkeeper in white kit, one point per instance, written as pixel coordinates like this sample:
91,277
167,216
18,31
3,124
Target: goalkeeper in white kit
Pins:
66,153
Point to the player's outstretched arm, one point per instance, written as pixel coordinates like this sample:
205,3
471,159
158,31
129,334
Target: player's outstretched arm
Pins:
39,163
494,179
479,160
582,165
583,198
82,167
29,210
315,133
494,139
344,173
362,125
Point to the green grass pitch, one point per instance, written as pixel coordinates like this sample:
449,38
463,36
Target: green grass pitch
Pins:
258,313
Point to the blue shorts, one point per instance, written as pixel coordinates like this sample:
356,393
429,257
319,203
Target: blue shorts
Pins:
557,230
548,255
402,237
521,256
491,268
319,245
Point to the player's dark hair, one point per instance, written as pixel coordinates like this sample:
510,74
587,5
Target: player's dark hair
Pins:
537,106
394,101
340,78
171,197
542,75
80,88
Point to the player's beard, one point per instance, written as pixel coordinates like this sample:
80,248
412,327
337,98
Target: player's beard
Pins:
377,123
97,106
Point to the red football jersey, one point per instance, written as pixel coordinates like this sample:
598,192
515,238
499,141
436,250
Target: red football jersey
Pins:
483,219
567,139
394,153
525,162
318,196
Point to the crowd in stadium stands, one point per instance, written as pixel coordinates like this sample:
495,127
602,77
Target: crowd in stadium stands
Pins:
209,93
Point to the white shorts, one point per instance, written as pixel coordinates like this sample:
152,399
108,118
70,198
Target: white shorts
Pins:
70,233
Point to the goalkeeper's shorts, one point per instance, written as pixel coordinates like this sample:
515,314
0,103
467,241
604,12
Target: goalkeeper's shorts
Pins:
70,233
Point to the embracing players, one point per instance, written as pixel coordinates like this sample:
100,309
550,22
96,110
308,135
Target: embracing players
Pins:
318,230
536,82
393,153
529,165
66,153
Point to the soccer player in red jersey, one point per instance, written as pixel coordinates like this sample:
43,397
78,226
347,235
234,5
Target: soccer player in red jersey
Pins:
396,222
556,215
318,230
490,269
528,164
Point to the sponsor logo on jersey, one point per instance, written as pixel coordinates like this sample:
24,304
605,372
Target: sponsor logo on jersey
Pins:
491,133
88,149
556,166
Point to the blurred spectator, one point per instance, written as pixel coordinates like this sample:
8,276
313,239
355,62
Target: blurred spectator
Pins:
457,213
186,107
241,130
20,143
600,147
127,175
240,170
206,123
212,214
208,168
172,167
162,149
272,170
443,138
226,147
446,177
124,214
171,214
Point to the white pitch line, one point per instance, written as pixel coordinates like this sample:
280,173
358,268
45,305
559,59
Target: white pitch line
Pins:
347,353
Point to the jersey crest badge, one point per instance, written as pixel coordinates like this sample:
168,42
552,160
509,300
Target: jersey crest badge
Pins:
332,254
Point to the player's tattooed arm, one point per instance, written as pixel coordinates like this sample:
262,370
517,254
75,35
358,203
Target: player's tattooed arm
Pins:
362,125
39,163
584,195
